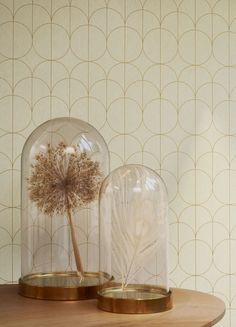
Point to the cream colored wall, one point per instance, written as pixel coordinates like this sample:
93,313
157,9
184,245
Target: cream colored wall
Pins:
158,79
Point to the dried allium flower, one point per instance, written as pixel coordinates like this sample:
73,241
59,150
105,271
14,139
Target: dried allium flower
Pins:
63,179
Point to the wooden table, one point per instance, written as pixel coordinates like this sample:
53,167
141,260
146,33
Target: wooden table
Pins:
191,309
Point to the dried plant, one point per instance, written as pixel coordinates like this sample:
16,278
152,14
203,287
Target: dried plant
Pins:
62,180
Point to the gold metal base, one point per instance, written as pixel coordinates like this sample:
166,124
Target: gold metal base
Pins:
134,299
59,286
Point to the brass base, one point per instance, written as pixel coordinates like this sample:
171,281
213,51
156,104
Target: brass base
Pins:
59,286
134,299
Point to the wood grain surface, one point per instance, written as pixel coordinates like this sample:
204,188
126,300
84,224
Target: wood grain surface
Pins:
191,309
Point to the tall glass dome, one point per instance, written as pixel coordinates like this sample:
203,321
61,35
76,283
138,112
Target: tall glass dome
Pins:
64,162
134,242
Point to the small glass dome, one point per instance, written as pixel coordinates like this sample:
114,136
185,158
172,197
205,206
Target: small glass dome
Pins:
64,162
133,242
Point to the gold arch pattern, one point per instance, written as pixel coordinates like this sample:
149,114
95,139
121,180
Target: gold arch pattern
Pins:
157,79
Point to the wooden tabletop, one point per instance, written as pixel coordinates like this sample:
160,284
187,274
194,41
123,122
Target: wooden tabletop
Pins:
191,309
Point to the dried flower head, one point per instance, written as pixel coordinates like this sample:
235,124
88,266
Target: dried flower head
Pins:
63,179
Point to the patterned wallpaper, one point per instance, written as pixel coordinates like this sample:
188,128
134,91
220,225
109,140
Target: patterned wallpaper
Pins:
158,79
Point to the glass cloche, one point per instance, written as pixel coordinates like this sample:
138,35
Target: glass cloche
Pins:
64,162
133,242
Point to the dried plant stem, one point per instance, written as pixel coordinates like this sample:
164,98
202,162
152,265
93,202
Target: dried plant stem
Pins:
75,246
64,178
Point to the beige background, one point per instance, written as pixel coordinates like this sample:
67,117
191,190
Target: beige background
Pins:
158,80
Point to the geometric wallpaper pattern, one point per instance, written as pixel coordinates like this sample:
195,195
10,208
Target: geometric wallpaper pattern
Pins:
157,78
